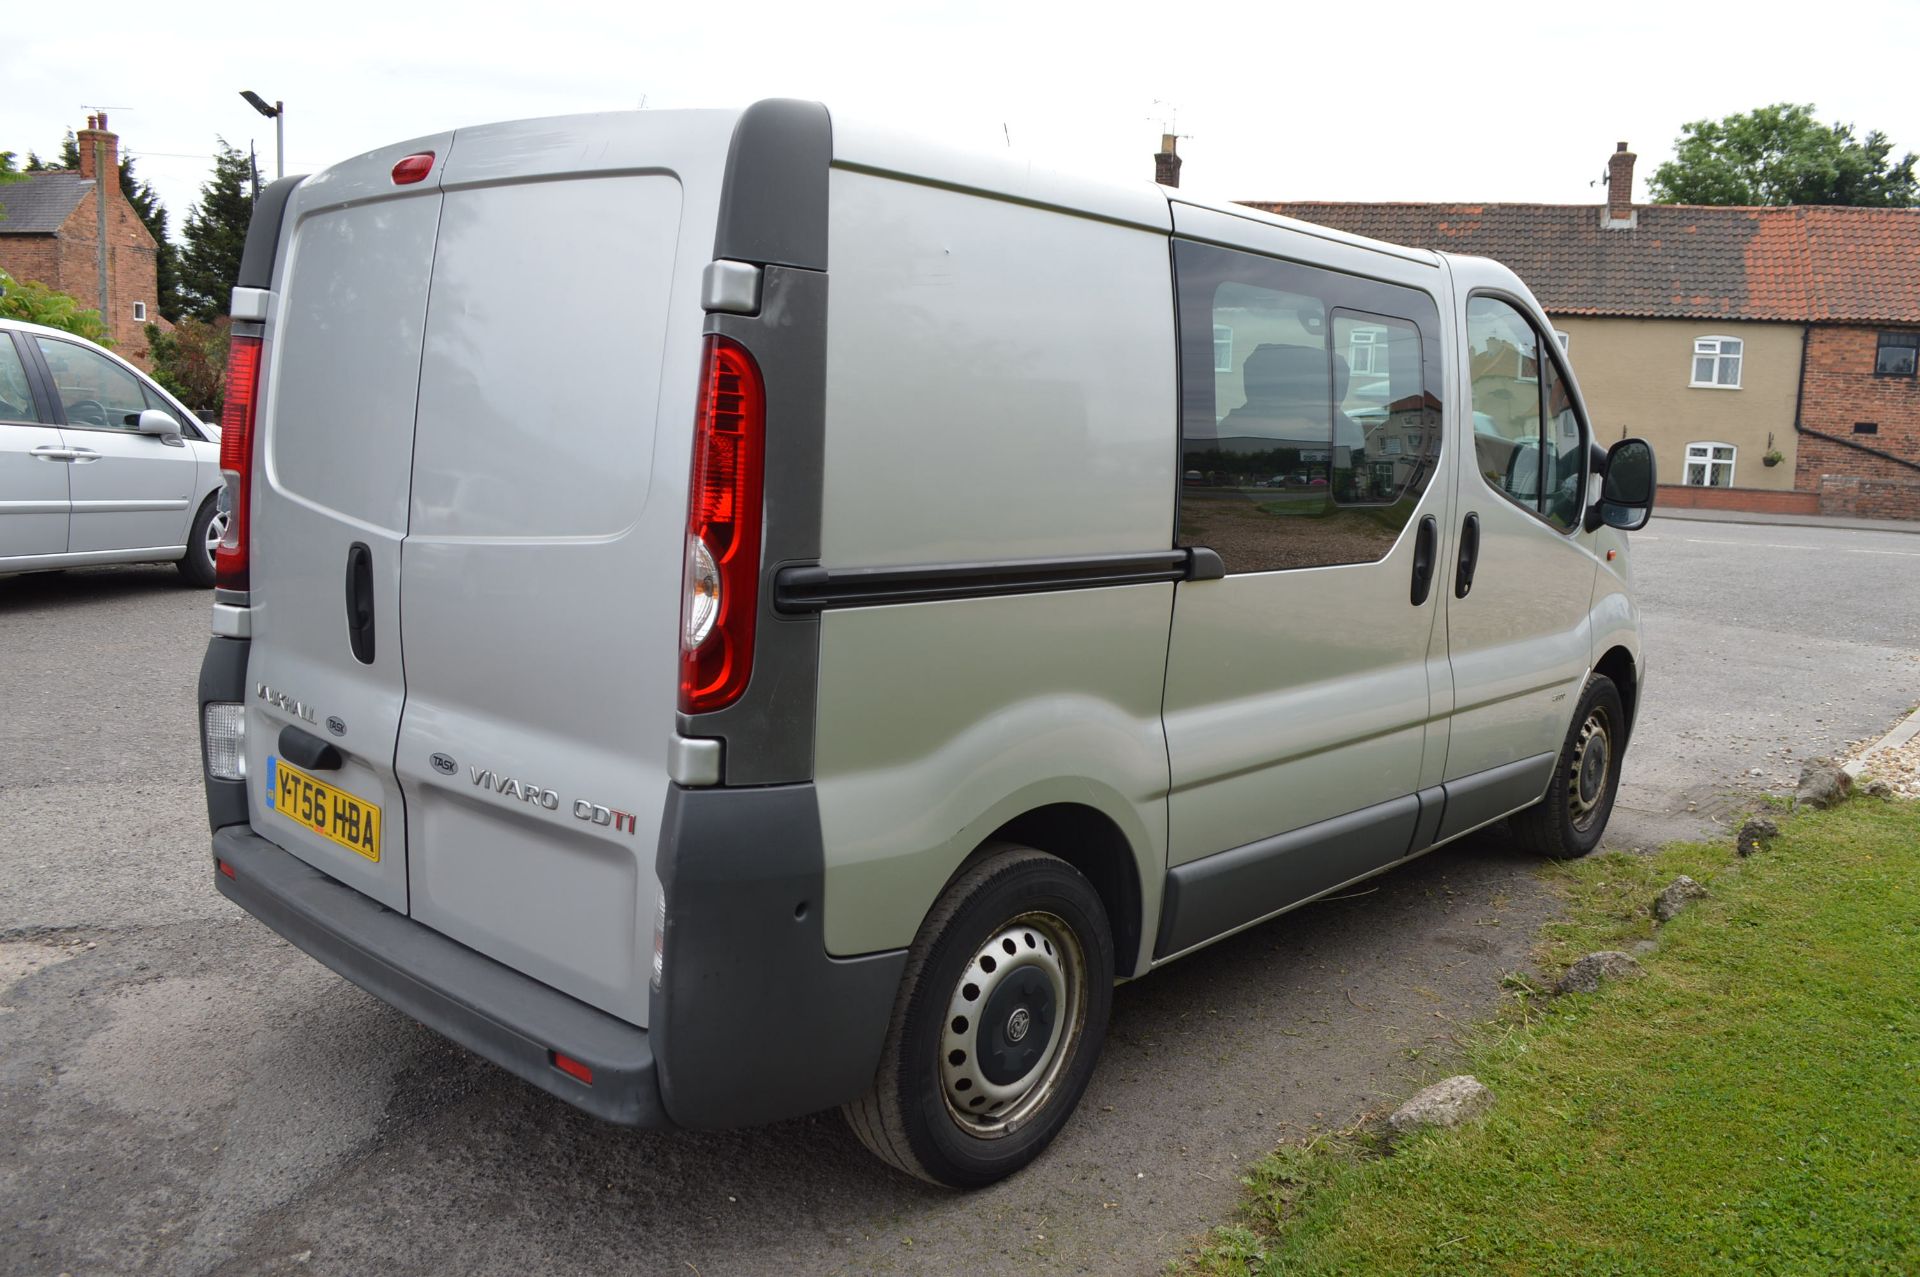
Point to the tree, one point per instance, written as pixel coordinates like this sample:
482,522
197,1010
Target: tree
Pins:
37,304
191,361
1781,155
215,234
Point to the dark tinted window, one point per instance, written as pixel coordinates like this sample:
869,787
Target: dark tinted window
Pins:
1897,354
1310,419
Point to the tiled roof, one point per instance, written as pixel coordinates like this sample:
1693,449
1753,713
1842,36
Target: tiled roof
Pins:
1677,262
41,204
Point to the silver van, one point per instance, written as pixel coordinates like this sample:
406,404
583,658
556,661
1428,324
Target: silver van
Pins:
729,614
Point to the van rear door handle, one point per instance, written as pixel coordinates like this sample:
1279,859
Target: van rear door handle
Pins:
360,602
1423,547
1469,556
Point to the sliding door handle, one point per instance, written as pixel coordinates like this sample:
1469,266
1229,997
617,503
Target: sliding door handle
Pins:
1469,556
1425,542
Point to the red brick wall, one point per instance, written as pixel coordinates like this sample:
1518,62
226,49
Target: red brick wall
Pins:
1848,497
1840,389
1679,497
31,257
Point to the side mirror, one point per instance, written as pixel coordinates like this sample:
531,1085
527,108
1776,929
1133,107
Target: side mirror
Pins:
1627,486
155,422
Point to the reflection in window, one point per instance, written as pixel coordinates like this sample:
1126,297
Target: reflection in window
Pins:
1564,457
1897,355
1312,437
1504,362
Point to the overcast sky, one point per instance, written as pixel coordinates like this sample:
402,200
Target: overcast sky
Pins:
1369,100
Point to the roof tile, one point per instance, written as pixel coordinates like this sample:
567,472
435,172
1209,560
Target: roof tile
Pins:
1678,261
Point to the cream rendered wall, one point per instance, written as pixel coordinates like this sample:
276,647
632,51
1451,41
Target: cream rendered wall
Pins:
1634,374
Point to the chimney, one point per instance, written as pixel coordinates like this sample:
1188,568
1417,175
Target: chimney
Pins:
1166,164
1620,187
90,141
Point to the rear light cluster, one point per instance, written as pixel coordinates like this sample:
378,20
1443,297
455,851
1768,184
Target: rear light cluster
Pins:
224,725
236,459
723,530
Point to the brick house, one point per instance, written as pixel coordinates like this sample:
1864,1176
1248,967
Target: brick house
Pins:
1725,336
57,232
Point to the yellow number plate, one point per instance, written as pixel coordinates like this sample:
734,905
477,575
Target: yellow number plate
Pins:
332,813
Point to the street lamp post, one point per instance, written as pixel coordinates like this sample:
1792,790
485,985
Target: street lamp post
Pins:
278,114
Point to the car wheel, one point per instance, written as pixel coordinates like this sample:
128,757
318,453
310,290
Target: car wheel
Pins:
1568,822
209,525
999,1021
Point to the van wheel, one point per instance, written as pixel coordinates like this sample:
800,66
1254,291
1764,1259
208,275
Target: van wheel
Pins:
999,1021
209,525
1568,822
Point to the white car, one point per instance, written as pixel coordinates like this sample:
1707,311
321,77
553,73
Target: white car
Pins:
97,463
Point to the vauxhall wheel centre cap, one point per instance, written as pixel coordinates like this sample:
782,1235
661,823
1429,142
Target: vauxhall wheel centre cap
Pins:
1018,1023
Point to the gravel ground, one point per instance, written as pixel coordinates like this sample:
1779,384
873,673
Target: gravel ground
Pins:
181,1092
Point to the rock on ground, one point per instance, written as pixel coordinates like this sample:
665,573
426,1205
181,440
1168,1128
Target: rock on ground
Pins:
1756,835
1879,789
1445,1103
1822,783
1587,974
1680,893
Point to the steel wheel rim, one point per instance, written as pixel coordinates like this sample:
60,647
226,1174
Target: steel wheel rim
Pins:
216,533
1032,942
1592,763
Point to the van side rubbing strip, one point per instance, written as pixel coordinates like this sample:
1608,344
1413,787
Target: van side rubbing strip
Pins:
1484,796
1211,896
263,233
802,590
773,202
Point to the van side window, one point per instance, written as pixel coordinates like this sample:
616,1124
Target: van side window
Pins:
1310,419
1533,457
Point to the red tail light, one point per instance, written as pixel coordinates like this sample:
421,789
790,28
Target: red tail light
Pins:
723,530
236,458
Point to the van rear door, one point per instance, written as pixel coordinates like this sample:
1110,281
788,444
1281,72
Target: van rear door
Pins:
330,510
542,571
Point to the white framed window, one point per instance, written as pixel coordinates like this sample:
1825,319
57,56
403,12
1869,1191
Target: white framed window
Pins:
1709,465
1223,348
139,312
1563,339
1716,362
1361,343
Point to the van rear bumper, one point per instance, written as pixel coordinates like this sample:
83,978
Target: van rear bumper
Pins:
490,1009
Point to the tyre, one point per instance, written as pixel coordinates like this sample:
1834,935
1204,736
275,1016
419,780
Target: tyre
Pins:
209,525
1000,1018
1568,822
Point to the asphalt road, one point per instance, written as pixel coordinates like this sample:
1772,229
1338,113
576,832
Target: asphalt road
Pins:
181,1092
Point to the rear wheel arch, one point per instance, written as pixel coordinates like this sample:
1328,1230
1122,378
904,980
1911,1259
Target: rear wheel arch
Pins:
1089,840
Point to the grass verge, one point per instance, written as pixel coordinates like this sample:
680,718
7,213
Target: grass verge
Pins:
1751,1105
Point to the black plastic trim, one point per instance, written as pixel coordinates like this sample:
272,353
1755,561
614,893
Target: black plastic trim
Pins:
303,749
1213,895
263,234
492,1010
754,1021
769,730
223,677
773,202
39,389
1433,807
802,590
1474,800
